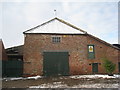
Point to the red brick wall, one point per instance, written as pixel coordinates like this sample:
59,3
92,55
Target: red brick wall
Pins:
76,45
103,51
3,55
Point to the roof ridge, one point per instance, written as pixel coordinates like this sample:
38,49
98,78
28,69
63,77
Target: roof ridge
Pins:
38,25
71,25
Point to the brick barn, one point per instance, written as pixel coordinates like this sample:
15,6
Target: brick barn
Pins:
57,47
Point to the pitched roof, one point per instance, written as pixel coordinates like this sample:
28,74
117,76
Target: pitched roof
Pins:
16,50
56,26
102,41
59,26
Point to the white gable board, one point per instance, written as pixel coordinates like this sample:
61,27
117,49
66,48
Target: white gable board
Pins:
57,27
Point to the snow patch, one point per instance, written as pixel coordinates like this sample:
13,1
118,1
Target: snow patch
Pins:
57,82
16,78
97,86
74,77
34,77
94,76
22,78
60,85
53,85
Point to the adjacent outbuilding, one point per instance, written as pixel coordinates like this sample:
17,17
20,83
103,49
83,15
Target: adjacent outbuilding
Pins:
3,55
57,47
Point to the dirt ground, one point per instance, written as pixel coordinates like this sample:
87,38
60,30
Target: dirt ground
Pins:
62,82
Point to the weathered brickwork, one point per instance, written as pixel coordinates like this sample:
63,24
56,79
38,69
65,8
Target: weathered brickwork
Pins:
76,45
103,51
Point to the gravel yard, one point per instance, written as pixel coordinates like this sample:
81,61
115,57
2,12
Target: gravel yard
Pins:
77,81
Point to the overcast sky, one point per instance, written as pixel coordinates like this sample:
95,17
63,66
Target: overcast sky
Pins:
97,18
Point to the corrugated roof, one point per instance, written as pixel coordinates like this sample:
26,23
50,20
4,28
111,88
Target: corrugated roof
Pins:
57,26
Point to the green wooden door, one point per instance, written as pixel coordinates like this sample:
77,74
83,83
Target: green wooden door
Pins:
1,71
13,68
3,67
95,67
55,63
